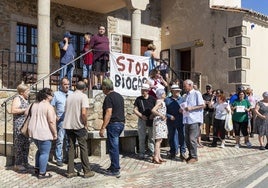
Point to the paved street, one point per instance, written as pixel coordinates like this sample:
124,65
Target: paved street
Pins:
216,167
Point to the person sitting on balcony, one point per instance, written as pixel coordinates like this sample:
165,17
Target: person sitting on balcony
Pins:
21,143
67,54
88,60
100,45
150,52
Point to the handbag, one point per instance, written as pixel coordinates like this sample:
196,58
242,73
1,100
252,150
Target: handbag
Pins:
149,121
228,120
24,127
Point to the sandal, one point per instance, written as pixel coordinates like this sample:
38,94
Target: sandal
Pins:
44,176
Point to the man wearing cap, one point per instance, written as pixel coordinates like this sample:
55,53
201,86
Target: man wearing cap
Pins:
67,54
174,123
208,112
142,108
114,123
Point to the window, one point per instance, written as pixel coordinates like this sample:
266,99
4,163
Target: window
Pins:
78,43
26,48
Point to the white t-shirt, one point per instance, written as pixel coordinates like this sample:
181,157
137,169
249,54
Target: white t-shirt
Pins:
220,111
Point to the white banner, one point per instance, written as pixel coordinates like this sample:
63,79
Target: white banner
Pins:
128,72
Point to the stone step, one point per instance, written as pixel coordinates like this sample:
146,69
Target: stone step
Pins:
9,151
6,161
9,137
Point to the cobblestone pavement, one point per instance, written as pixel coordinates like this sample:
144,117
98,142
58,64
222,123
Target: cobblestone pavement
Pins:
216,167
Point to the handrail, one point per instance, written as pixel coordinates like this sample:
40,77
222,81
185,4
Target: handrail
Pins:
46,76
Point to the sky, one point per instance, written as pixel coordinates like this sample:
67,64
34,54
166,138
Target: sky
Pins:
256,5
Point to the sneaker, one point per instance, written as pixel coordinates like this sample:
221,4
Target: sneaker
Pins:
266,146
183,156
71,175
237,146
89,174
213,144
262,148
44,176
59,163
192,160
222,145
115,174
248,144
141,156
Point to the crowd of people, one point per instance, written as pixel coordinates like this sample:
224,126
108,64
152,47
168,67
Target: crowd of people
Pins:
164,111
95,60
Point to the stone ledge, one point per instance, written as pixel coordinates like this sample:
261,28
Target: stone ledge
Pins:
128,142
125,133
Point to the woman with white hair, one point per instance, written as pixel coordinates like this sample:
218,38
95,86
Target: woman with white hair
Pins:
159,124
261,111
21,143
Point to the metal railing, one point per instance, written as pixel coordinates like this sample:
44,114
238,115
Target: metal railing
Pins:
33,86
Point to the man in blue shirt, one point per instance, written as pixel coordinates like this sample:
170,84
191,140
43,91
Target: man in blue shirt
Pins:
67,54
58,102
174,123
192,118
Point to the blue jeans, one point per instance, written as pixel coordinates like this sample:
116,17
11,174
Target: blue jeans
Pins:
113,132
62,136
176,138
67,71
42,154
87,71
191,135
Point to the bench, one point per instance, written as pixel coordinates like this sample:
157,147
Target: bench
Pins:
128,142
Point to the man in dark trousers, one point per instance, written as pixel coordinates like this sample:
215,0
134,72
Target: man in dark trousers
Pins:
142,108
114,123
75,123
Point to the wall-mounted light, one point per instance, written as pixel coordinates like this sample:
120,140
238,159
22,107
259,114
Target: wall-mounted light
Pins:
252,26
198,43
59,21
167,32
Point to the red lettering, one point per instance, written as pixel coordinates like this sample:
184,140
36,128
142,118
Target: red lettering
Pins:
145,67
118,61
138,68
130,65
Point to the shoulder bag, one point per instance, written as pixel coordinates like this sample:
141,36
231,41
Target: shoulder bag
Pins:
24,127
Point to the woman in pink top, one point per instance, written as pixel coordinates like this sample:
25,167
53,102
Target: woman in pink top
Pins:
42,129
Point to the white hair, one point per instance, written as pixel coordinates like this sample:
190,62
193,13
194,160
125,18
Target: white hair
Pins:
159,93
189,82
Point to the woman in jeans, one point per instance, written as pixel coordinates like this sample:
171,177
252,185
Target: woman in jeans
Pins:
42,128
